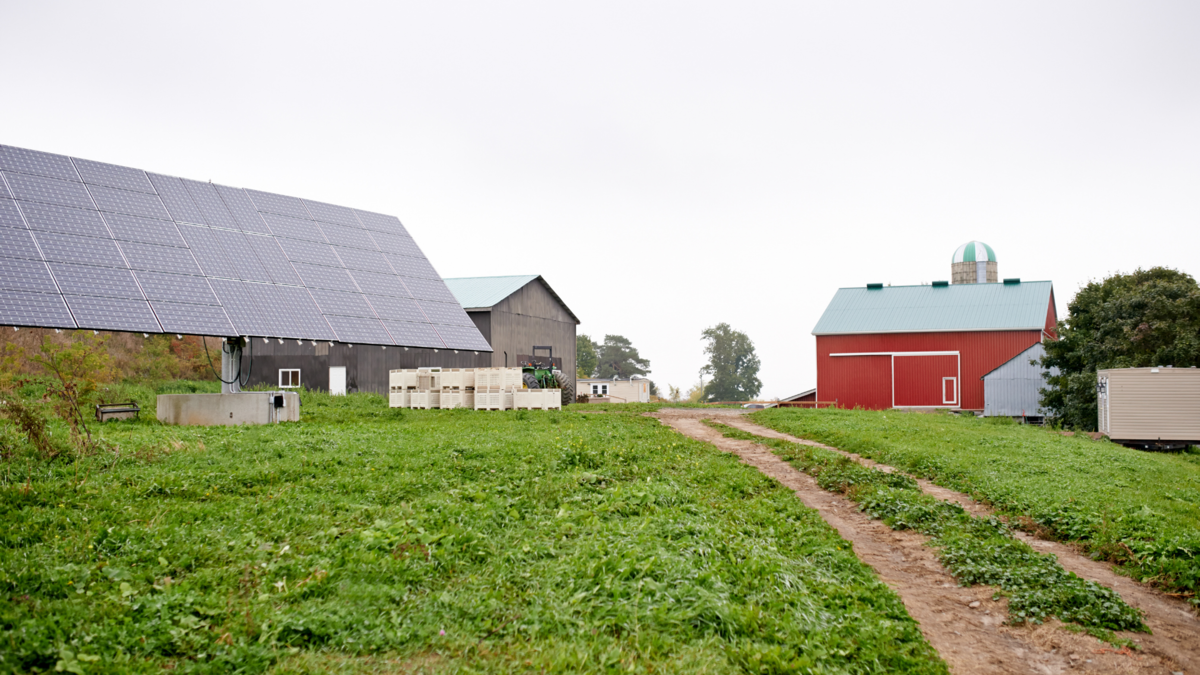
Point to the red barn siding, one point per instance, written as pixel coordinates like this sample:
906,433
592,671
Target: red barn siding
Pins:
920,380
866,381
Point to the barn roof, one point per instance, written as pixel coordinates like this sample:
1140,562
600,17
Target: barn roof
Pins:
487,292
928,309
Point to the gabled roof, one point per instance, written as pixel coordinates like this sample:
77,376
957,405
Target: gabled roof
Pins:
475,293
928,309
801,395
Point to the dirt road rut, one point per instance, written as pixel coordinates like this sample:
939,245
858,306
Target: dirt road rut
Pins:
970,639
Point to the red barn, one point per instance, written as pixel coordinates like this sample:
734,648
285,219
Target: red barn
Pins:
926,346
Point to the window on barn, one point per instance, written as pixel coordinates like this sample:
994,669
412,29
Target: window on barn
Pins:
289,378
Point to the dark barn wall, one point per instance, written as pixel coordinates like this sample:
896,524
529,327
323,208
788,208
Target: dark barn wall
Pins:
367,366
531,316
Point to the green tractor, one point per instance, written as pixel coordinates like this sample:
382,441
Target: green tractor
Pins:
541,374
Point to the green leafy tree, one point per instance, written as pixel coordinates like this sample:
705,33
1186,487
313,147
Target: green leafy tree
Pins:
732,365
585,357
1146,318
77,368
619,358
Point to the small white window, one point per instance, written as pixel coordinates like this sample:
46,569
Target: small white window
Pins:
599,390
289,378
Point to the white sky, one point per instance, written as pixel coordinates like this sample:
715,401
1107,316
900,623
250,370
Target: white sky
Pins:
665,166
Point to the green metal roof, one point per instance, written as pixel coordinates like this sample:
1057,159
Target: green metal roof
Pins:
487,292
927,309
481,292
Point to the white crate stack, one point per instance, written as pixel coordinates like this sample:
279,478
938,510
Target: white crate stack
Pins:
477,388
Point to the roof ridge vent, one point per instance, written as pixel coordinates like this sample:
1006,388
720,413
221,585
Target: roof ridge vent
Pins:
1013,280
939,284
874,286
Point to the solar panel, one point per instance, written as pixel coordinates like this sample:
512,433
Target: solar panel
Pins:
329,213
462,337
111,175
176,198
18,244
159,258
124,201
34,309
415,334
9,215
37,163
50,218
48,190
81,250
176,288
192,319
113,314
30,276
105,282
266,202
143,230
93,245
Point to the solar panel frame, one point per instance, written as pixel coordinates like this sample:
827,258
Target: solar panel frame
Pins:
294,228
329,278
330,213
338,302
430,289
357,329
348,237
267,202
367,261
4,193
243,264
413,334
207,252
445,313
380,284
311,252
153,258
242,209
211,207
241,309
379,222
273,260
462,337
396,309
10,215
179,288
125,227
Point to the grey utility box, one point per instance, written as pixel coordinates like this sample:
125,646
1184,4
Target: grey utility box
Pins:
247,407
1150,407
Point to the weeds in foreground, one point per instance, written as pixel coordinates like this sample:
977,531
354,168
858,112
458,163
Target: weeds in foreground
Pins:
975,550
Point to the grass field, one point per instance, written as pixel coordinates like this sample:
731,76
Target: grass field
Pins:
366,539
1140,509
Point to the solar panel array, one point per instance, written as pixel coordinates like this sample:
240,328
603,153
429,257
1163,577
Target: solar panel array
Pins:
85,244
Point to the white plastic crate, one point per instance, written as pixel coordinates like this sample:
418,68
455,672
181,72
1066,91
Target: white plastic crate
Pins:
425,399
537,399
402,378
497,378
398,399
491,399
458,378
457,399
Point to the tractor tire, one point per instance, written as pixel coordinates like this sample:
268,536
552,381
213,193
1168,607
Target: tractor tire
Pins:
568,388
530,381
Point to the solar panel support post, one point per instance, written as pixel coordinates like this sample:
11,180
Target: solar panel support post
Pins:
231,365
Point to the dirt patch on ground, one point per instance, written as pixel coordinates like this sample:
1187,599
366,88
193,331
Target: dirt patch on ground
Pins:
970,640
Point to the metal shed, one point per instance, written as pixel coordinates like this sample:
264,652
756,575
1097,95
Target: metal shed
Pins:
1150,407
1013,389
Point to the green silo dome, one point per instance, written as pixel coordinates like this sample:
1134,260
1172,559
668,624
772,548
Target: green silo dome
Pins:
974,251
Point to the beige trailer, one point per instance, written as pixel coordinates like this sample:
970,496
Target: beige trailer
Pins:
1150,407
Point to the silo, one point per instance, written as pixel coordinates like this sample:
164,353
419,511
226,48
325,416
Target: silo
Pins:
974,263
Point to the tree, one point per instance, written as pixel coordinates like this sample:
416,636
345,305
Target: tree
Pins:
585,357
1147,318
732,364
619,358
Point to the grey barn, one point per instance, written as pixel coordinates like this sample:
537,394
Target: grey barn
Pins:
1014,388
517,313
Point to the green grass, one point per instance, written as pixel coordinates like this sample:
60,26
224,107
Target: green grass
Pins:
1138,509
975,550
369,539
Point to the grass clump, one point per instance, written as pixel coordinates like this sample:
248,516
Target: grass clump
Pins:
366,538
1138,509
975,550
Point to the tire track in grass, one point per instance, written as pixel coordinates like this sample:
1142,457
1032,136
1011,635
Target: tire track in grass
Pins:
964,624
1175,629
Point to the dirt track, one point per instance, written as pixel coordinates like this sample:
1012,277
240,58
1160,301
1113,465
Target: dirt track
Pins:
970,640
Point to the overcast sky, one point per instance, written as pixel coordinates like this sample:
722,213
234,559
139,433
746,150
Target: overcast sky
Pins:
665,166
